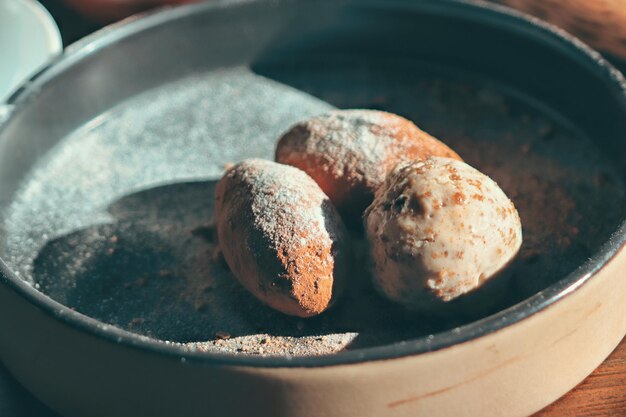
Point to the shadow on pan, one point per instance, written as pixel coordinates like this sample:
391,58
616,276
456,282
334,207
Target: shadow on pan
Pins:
156,271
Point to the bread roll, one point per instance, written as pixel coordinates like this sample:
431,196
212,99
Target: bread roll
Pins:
281,236
350,152
437,230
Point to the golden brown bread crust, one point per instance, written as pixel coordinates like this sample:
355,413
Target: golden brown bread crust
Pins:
281,237
350,152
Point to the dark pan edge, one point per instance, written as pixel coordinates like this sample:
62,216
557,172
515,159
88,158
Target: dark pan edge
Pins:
500,15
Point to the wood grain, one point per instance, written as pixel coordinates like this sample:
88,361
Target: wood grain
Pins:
602,394
600,23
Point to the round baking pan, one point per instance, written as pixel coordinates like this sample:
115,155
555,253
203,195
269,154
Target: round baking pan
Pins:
111,302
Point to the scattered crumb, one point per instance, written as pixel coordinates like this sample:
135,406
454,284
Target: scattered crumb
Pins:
217,256
222,335
136,321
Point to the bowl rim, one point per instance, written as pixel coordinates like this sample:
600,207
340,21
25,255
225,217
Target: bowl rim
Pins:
503,16
54,44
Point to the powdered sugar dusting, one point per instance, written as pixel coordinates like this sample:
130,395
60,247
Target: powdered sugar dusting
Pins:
288,206
351,133
181,131
350,152
281,236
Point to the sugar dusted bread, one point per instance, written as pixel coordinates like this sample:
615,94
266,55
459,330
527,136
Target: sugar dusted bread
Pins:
281,236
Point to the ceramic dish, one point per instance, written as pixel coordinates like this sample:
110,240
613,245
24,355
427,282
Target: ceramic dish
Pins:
107,162
28,39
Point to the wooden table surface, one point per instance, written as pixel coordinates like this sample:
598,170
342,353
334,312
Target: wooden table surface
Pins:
602,394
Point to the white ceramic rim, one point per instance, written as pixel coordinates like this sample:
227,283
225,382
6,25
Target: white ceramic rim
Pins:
54,41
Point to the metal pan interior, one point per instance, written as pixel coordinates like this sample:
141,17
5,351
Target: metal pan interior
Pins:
108,162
